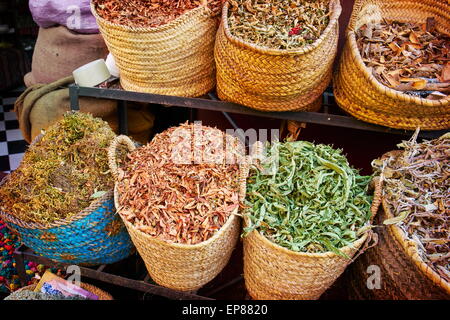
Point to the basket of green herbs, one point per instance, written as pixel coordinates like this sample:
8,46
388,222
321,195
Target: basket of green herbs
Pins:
308,213
60,199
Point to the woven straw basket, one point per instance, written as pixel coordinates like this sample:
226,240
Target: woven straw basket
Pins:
358,92
173,59
272,79
275,273
96,235
180,266
404,275
272,272
102,295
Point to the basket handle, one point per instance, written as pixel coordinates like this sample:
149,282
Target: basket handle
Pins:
364,11
372,237
112,151
371,241
377,182
244,169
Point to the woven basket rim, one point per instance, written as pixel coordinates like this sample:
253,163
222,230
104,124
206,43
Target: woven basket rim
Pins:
201,9
7,217
409,247
202,244
355,245
382,89
412,251
335,7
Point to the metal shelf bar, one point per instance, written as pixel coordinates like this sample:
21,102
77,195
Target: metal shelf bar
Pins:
210,102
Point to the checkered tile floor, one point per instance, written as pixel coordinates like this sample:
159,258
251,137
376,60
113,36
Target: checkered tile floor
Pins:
12,145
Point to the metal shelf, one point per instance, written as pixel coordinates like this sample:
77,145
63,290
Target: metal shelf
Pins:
210,102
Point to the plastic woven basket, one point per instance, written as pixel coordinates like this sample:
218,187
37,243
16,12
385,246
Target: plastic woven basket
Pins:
359,93
96,235
273,79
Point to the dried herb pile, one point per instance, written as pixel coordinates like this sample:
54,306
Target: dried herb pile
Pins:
278,24
168,191
313,202
414,58
149,13
62,173
417,190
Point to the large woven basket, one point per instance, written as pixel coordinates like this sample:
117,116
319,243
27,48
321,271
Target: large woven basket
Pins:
272,79
358,92
102,295
272,272
96,235
404,274
180,266
174,59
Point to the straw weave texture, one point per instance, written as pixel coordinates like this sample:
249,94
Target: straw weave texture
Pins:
275,273
174,59
404,274
358,92
272,79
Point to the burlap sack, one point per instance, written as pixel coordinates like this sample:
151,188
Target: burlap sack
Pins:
59,51
42,105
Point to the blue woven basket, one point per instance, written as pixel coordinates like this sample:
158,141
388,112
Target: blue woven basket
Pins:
96,235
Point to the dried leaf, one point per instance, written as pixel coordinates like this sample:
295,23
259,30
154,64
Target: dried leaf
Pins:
420,84
414,39
445,74
407,47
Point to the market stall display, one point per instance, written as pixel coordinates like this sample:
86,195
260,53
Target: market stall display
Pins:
276,55
162,47
394,69
305,220
84,196
414,249
182,216
59,200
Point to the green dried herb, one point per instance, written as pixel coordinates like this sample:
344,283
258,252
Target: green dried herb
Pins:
313,202
416,187
59,174
278,24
